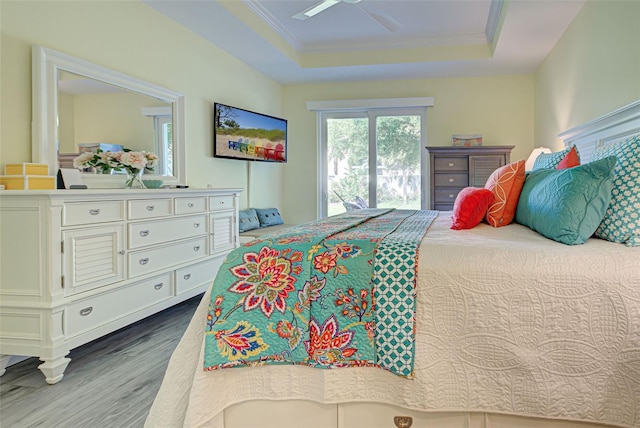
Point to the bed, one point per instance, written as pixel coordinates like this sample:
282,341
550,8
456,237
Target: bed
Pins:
513,330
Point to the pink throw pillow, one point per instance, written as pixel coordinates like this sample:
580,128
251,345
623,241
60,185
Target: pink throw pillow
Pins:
470,207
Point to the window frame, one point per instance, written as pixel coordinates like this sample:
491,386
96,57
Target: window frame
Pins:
371,113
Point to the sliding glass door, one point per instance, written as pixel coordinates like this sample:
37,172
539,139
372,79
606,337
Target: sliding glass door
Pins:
373,158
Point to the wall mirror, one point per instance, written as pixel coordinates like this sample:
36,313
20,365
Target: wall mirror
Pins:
78,105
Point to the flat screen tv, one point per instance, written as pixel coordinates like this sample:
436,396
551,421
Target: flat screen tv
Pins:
246,135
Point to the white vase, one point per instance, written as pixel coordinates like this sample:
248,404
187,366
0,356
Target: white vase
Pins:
134,179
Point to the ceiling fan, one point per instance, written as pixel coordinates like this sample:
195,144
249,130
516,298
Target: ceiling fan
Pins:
374,12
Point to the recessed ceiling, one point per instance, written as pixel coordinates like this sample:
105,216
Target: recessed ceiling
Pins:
353,40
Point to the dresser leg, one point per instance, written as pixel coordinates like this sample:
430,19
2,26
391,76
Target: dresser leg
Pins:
4,362
53,368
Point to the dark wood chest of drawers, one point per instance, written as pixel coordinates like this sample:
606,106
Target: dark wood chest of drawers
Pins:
454,168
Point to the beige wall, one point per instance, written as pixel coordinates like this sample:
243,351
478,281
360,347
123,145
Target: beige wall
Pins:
498,107
133,38
593,69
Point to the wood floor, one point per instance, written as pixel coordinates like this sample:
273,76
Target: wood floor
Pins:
110,382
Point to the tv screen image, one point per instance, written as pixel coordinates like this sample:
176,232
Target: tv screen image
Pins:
246,135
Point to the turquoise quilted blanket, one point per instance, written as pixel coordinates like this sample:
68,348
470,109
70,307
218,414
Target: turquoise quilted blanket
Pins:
337,292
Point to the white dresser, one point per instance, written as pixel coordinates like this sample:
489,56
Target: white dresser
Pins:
78,264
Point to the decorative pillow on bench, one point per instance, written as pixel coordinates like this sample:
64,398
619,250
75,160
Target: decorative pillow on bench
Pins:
248,220
269,217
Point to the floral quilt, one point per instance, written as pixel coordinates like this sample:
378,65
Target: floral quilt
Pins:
337,292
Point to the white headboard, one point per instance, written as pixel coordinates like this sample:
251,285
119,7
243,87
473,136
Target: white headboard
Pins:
608,129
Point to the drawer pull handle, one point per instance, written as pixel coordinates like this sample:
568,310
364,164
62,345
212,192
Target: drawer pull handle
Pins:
144,261
144,233
451,195
403,421
121,252
158,286
190,204
187,276
221,202
451,180
86,311
196,248
150,207
451,164
95,211
196,225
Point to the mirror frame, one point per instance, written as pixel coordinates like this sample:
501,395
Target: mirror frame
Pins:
46,64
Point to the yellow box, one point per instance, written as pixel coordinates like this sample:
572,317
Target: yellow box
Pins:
28,182
26,168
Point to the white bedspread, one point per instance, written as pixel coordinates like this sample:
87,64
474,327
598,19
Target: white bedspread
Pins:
508,322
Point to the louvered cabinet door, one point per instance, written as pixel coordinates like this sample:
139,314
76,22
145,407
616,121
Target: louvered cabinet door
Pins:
92,257
481,167
222,231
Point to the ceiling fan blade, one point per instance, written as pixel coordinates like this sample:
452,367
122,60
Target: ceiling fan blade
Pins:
382,17
315,9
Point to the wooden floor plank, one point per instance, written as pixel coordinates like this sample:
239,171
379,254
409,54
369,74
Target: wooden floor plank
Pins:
110,382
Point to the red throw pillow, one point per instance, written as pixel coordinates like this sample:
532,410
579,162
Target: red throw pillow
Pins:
470,207
506,184
570,160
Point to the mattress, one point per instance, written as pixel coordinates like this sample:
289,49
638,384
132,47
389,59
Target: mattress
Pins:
508,322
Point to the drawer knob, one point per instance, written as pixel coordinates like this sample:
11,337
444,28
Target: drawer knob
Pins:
196,248
94,211
187,276
121,252
190,204
221,202
144,233
403,421
451,195
144,261
196,225
150,207
86,311
158,286
451,180
451,164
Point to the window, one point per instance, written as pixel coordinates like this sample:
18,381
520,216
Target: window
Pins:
164,144
372,157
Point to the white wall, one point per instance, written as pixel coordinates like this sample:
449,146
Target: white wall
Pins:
133,38
593,69
498,107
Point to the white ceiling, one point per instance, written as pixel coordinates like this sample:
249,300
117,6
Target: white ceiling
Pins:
379,39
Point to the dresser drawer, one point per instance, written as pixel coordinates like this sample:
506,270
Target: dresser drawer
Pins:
75,213
446,195
159,231
153,259
221,202
451,180
443,207
198,274
190,205
90,313
149,208
451,164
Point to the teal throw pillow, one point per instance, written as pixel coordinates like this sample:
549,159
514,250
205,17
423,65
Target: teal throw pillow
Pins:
567,205
269,217
549,160
248,220
621,222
